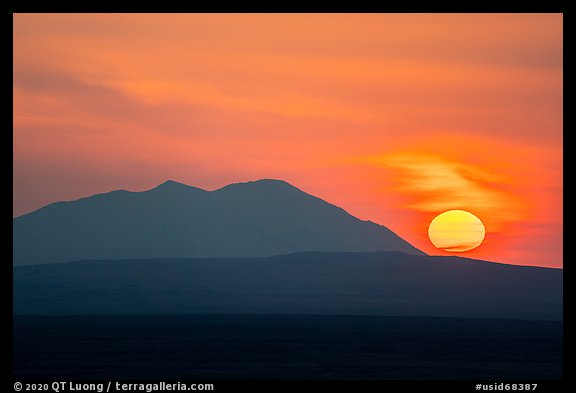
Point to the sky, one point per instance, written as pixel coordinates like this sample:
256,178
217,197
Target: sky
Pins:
396,118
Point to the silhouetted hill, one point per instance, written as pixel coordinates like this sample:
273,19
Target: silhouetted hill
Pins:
173,220
380,283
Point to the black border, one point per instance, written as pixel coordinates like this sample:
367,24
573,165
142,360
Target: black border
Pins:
569,233
523,6
526,6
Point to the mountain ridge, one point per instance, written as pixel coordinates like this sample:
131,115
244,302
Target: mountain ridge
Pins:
170,185
442,258
172,220
346,283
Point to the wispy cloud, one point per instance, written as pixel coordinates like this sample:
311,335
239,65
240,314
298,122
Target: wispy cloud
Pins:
436,184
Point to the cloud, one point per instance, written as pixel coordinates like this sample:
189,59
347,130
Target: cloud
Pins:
435,184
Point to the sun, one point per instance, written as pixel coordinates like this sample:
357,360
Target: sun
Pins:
456,231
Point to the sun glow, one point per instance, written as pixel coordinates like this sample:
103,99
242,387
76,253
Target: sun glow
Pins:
456,231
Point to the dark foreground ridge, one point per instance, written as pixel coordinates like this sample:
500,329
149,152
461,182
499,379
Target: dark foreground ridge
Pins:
379,283
285,347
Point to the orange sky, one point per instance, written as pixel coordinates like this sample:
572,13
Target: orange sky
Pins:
393,117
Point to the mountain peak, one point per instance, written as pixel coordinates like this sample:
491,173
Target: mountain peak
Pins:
169,185
271,181
266,184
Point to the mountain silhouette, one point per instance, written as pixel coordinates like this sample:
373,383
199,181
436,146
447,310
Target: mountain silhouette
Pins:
315,283
174,220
